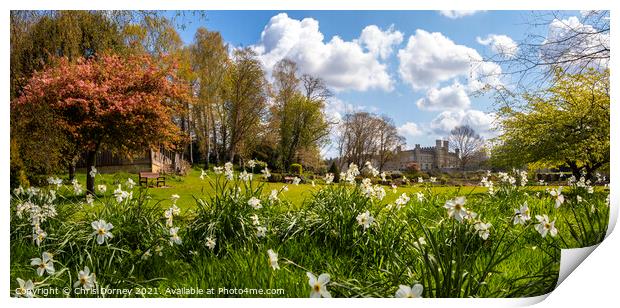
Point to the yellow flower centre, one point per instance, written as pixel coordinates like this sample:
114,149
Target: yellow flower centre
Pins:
317,287
83,280
547,226
101,231
457,207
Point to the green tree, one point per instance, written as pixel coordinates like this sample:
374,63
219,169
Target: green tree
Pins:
209,55
245,101
568,125
297,116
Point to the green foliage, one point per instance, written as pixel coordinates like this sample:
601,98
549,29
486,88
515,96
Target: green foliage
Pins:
296,169
567,124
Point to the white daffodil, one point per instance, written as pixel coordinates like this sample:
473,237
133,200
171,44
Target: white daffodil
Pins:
218,170
18,191
579,199
456,208
77,188
254,203
210,243
251,163
266,173
90,200
130,183
174,236
102,230
245,176
482,229
319,286
203,174
296,181
544,226
402,200
365,219
273,259
93,171
54,181
174,198
557,194
43,264
312,182
228,171
169,217
409,292
433,179
102,188
329,178
420,196
470,215
420,179
86,279
383,176
39,236
120,194
261,231
273,196
255,220
522,215
25,289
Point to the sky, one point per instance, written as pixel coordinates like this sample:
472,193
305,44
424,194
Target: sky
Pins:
420,68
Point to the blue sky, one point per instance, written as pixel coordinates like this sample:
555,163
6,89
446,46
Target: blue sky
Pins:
418,74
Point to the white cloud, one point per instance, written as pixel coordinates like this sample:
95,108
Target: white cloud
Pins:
430,58
380,42
483,123
336,109
342,64
409,129
569,39
454,14
450,97
500,44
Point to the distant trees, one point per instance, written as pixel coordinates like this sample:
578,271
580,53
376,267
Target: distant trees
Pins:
121,104
297,113
468,143
365,137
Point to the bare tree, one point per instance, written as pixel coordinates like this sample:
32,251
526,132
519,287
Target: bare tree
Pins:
387,140
469,144
365,136
556,42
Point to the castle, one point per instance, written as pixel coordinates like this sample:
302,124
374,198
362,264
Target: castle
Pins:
424,158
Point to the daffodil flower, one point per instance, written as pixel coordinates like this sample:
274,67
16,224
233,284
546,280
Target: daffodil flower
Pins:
85,280
414,291
102,230
43,264
319,286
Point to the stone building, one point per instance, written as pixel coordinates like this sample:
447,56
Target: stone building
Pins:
424,158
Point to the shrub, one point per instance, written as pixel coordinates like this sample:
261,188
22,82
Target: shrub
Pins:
333,169
297,169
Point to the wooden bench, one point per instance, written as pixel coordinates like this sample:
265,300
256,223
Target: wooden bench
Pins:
145,176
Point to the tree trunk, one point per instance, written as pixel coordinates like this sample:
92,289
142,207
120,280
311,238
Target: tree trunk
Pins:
71,171
90,181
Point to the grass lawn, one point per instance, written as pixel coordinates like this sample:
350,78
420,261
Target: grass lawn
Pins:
190,186
367,247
